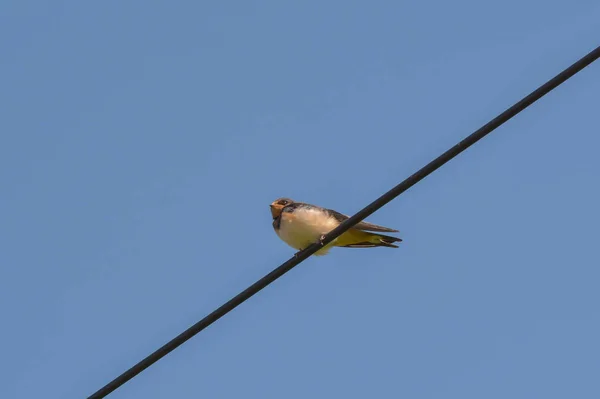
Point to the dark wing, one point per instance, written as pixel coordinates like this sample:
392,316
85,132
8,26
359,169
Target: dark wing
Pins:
366,226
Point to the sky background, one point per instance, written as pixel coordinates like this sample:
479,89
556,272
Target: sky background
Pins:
142,142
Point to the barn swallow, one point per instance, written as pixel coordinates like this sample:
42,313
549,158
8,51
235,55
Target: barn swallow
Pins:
299,225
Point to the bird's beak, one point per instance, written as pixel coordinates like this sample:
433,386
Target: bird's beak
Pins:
274,211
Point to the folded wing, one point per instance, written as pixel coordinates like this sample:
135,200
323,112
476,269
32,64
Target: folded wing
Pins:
366,226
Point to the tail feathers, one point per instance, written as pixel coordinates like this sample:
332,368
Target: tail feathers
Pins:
375,240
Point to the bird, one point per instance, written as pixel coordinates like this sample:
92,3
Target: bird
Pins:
299,225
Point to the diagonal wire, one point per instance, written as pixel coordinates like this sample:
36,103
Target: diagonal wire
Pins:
347,224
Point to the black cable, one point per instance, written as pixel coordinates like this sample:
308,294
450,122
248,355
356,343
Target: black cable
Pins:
347,224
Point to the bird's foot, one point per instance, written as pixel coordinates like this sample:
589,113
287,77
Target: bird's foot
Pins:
320,242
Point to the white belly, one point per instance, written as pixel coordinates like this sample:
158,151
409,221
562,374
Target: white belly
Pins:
304,227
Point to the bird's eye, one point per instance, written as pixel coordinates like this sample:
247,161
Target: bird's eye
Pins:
284,202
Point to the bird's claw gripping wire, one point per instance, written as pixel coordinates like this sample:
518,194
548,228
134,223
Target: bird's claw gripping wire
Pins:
321,239
319,242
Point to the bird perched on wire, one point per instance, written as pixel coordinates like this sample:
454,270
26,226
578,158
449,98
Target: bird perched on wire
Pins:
299,225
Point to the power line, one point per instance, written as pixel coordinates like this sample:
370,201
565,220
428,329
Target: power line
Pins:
347,224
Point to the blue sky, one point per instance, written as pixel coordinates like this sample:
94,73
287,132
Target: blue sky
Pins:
142,142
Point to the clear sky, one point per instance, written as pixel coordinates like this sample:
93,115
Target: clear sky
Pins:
142,142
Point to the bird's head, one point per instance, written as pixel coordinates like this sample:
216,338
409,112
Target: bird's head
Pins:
278,205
